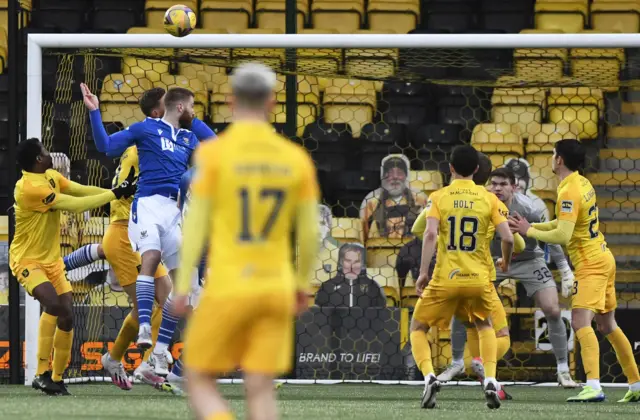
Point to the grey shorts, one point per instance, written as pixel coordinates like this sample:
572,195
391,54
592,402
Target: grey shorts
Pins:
533,274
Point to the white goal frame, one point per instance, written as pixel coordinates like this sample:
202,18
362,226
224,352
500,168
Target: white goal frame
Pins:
36,43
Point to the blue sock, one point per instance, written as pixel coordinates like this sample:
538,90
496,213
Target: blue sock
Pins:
145,292
167,327
177,367
81,257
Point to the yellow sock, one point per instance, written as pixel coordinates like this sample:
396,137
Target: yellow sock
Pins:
624,353
62,341
156,320
220,416
421,350
45,341
503,345
126,335
488,351
590,352
473,342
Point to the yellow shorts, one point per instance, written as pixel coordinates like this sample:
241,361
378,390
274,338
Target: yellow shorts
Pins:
253,332
31,274
122,258
594,287
498,314
438,304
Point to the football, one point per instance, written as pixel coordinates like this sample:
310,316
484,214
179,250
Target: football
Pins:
179,20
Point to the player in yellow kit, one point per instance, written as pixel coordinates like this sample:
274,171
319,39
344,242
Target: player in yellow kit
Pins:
594,295
252,187
458,218
35,257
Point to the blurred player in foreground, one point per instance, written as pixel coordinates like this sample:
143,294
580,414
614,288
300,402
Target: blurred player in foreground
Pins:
459,217
35,251
251,189
594,293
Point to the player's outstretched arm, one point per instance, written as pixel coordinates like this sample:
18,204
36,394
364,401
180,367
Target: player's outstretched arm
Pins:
560,235
80,204
78,190
202,130
546,225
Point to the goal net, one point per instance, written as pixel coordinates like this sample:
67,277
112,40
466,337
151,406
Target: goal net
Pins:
380,115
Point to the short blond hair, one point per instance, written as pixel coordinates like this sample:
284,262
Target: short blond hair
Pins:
252,84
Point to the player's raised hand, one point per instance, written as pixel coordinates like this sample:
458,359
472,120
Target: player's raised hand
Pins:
519,224
421,283
302,302
90,100
128,187
180,305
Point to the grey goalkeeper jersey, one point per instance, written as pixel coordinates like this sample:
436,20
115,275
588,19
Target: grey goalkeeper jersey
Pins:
525,207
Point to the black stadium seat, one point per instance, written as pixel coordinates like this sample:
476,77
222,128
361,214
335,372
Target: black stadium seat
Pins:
115,16
506,16
449,16
406,103
61,15
378,140
329,145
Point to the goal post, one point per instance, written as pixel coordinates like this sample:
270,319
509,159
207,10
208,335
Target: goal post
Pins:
487,99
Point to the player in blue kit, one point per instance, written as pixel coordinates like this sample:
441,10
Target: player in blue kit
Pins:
164,148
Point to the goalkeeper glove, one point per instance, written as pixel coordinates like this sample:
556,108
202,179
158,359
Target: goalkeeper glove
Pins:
567,280
128,187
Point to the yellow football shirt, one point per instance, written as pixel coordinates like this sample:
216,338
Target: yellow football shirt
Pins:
255,180
577,203
37,236
121,208
465,212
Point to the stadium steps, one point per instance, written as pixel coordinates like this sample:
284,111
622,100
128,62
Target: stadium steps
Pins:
618,227
614,179
630,132
620,159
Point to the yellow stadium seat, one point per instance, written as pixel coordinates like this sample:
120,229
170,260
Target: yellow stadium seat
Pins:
522,107
4,48
544,180
371,63
569,17
384,276
271,14
400,17
408,297
145,30
497,138
119,98
233,15
155,9
319,61
350,101
308,95
581,108
393,297
219,108
597,66
507,292
617,16
209,75
146,68
383,252
539,64
104,295
346,229
271,57
547,136
425,181
344,16
201,102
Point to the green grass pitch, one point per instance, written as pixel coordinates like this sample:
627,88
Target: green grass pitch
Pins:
311,402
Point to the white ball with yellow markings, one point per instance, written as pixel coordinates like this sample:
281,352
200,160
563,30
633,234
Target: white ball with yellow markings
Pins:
179,20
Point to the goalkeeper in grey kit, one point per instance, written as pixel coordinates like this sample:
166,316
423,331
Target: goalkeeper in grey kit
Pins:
528,267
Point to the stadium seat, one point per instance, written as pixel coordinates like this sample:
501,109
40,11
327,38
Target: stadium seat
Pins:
433,143
219,108
119,98
597,66
540,64
406,103
383,252
201,101
209,75
544,181
385,277
380,63
154,11
321,62
270,57
378,140
501,141
566,16
399,17
61,15
506,16
465,108
145,30
308,97
547,135
523,107
328,144
580,107
617,16
233,15
115,16
346,229
4,49
408,297
344,16
425,181
350,101
271,14
447,16
393,297
146,68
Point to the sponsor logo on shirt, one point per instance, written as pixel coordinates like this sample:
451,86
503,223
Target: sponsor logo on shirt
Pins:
453,273
25,273
566,206
49,199
143,234
428,206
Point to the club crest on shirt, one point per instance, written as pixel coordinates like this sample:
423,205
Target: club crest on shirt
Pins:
25,273
566,206
504,213
186,140
428,206
143,234
49,199
364,288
